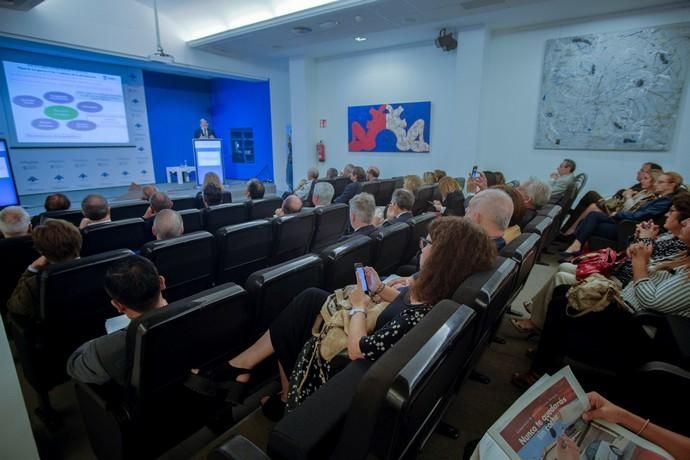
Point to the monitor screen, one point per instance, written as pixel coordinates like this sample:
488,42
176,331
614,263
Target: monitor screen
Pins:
8,191
208,158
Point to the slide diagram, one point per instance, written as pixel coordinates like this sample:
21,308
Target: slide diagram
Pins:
53,105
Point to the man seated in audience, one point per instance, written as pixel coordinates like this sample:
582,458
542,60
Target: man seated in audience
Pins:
492,210
212,195
167,224
347,170
14,221
362,209
57,202
158,202
56,241
400,207
147,191
95,209
323,194
354,187
291,205
373,173
305,185
134,286
331,173
535,194
255,190
562,178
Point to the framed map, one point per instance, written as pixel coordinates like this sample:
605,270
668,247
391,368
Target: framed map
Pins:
613,91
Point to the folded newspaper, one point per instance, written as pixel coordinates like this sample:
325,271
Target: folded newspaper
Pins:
546,423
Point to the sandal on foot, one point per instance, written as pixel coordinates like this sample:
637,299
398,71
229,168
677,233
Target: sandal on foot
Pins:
527,305
208,382
274,408
524,380
517,324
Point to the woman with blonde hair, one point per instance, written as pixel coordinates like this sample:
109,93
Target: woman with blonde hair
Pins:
452,201
429,178
412,183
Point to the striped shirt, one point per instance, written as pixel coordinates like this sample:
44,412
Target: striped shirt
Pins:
663,291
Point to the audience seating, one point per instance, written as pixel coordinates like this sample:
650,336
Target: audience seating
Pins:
243,249
339,261
339,184
524,251
399,181
73,307
420,226
70,215
424,195
156,411
223,215
371,188
580,182
17,254
390,246
292,235
385,192
461,182
188,263
192,219
128,209
273,288
263,208
330,224
540,225
121,234
182,203
226,197
555,212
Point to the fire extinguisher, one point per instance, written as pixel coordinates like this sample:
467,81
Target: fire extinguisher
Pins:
321,151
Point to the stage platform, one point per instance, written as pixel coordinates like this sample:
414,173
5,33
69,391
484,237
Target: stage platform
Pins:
34,203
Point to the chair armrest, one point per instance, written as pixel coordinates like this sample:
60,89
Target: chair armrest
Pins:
311,431
238,448
106,420
666,368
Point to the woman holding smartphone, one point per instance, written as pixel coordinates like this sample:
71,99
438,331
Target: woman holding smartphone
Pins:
450,239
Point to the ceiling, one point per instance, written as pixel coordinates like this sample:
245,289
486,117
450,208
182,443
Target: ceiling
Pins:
263,29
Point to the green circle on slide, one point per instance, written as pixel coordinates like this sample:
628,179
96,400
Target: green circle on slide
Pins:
60,112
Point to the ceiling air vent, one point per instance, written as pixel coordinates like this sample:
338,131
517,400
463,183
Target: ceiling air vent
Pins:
301,30
474,4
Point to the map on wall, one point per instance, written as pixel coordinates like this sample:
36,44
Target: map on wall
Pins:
613,91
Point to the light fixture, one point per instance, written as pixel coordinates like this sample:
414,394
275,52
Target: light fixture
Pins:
359,38
329,24
301,30
159,55
446,41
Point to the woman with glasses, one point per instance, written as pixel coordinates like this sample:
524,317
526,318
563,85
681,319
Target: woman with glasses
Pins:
450,239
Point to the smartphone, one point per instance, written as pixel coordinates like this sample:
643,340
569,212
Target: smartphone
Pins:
474,173
359,271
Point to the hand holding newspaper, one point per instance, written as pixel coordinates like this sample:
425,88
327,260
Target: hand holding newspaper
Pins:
546,423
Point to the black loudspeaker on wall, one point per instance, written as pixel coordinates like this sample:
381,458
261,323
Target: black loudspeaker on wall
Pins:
446,41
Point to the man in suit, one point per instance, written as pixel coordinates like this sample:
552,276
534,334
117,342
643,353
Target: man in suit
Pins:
134,287
354,187
95,209
167,224
362,208
14,221
492,210
203,131
157,203
400,207
323,194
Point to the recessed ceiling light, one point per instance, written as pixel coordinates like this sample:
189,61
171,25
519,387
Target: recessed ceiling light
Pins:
300,30
359,18
329,24
360,39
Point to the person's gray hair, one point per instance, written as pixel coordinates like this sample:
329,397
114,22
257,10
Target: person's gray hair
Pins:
168,224
363,206
14,221
494,204
538,190
312,173
160,201
403,198
94,207
325,192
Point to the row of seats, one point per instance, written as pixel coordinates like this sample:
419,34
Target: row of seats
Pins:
424,370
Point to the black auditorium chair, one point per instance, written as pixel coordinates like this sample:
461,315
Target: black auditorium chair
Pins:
223,215
424,195
399,181
420,228
155,411
555,212
182,203
192,219
541,225
292,235
385,409
128,209
390,245
73,307
385,191
274,287
188,263
243,249
70,215
461,182
339,184
339,261
121,234
226,196
436,196
330,224
371,187
17,255
263,208
523,250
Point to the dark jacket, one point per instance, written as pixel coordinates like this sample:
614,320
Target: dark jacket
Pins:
366,231
649,210
351,190
404,217
197,133
454,204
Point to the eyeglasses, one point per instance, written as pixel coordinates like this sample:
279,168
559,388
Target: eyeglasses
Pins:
423,242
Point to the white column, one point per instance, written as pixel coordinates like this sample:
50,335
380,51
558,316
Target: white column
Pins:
302,104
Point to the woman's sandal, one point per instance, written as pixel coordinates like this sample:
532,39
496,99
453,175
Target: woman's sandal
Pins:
527,305
524,380
274,408
517,324
223,377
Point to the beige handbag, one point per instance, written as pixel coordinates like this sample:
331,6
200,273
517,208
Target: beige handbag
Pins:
592,294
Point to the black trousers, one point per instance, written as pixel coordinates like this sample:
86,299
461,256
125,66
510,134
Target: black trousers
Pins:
292,328
587,199
608,339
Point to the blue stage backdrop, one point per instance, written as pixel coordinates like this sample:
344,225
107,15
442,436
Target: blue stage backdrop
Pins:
389,127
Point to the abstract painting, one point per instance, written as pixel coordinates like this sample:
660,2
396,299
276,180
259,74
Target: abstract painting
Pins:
389,127
613,91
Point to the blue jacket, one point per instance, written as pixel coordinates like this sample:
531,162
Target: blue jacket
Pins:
648,210
350,191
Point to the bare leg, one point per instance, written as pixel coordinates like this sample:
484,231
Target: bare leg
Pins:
249,358
283,386
591,208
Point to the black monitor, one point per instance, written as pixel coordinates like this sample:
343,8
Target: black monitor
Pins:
8,190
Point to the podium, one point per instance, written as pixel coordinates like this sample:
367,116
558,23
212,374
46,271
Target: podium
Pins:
208,157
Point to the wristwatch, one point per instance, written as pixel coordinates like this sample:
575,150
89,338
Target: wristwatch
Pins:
354,311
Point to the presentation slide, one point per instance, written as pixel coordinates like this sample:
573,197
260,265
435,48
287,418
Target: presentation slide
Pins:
62,106
8,192
208,158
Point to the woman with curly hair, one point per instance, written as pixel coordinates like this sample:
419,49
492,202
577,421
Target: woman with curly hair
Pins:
450,239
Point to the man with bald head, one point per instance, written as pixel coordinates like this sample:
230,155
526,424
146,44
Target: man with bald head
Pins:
14,222
167,224
492,210
292,204
95,209
203,131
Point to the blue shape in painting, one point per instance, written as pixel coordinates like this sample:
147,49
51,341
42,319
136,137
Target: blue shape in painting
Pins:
389,127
